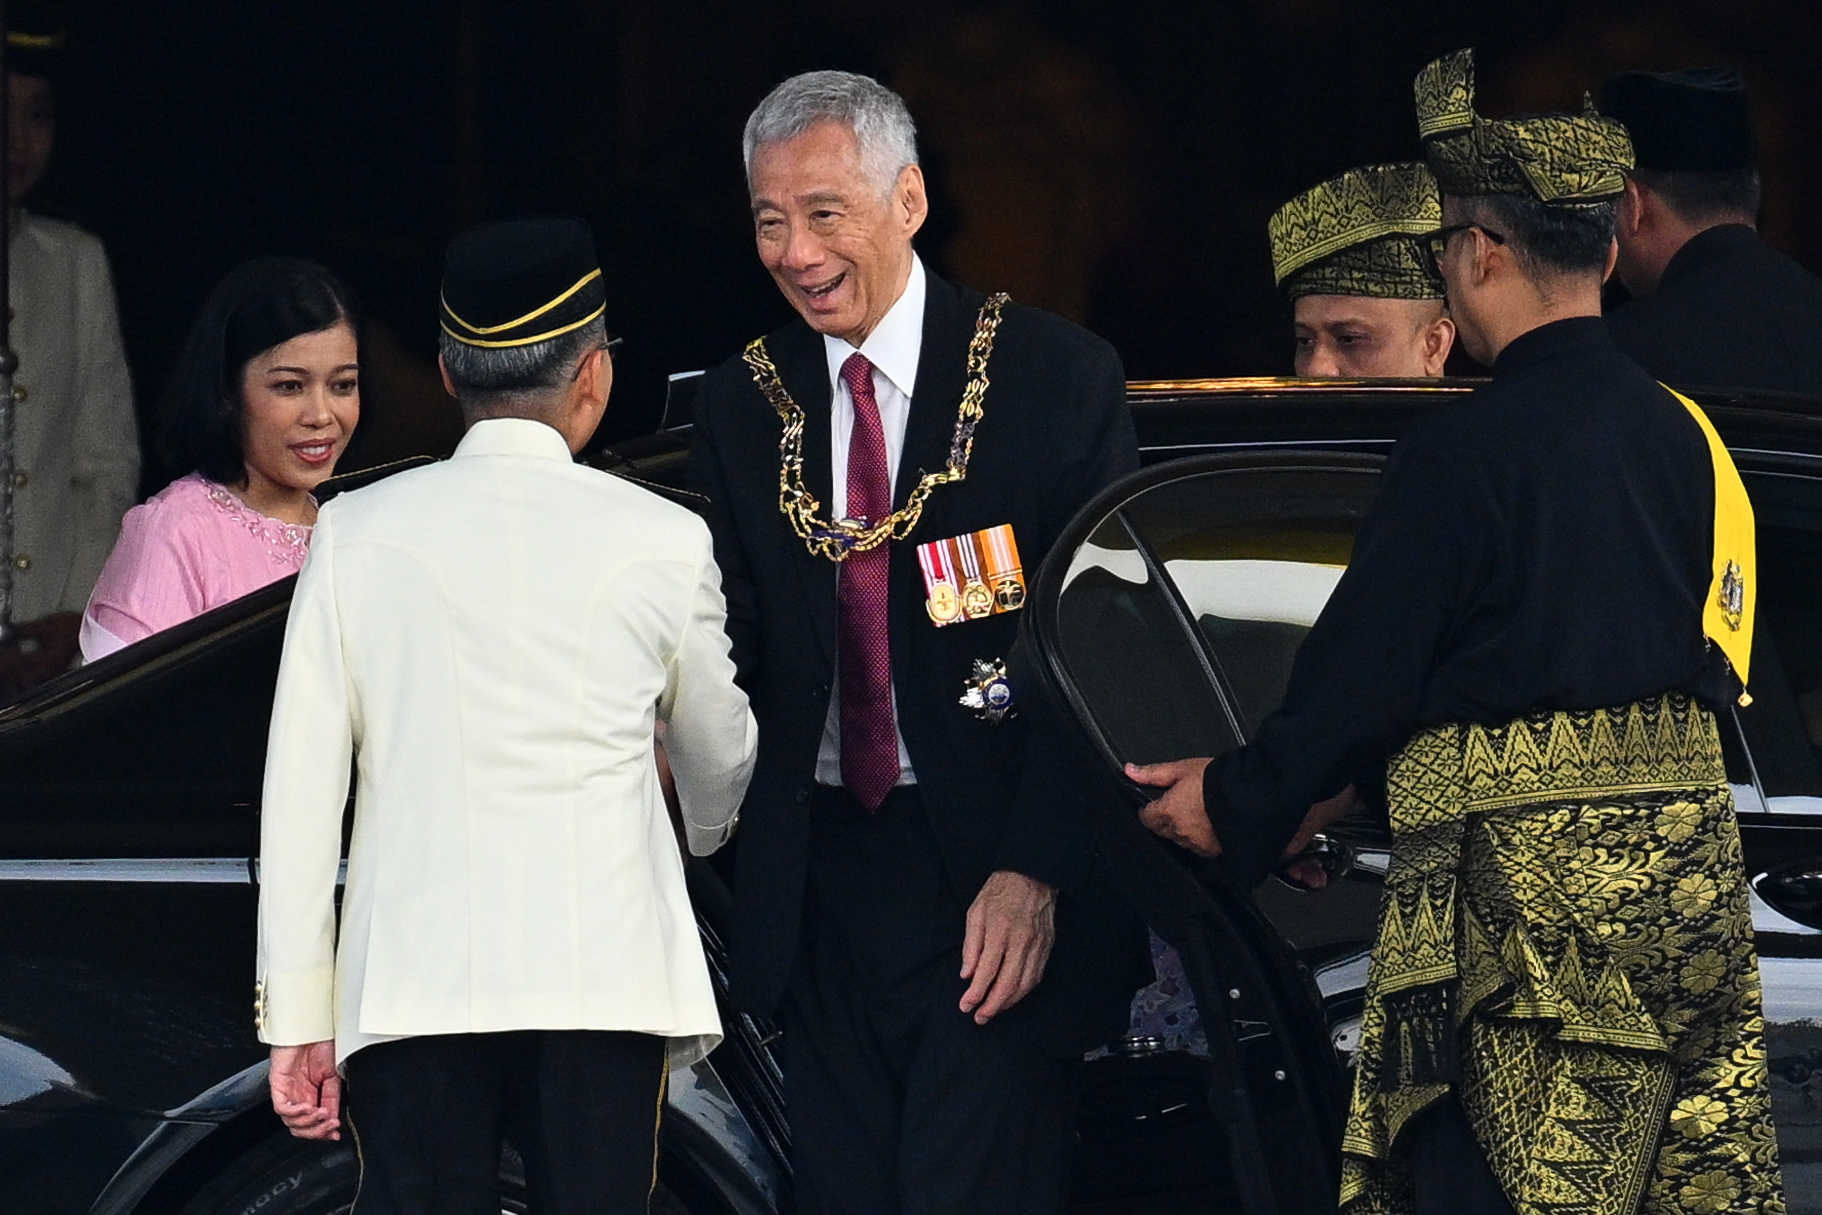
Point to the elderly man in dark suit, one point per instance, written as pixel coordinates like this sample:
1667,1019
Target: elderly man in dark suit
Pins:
889,470
1712,304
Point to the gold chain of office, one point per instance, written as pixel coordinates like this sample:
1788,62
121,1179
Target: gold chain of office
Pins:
836,539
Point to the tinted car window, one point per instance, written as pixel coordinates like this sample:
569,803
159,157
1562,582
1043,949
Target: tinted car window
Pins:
1129,653
1190,663
1254,556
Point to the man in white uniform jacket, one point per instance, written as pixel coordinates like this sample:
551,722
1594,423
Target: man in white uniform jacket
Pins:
494,640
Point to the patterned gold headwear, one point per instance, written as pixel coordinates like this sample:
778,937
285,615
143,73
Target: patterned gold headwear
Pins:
1560,159
1359,234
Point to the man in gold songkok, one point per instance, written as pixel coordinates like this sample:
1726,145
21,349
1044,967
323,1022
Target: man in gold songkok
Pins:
1365,295
1551,596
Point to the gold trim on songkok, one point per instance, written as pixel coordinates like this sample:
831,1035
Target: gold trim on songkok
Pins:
534,314
1561,159
23,41
545,336
1360,233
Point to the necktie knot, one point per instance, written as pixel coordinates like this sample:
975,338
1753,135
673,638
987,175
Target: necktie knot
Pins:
857,373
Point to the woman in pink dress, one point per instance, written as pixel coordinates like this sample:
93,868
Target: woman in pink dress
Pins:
263,401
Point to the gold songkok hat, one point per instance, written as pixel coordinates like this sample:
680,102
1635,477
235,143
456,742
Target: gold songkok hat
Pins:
521,282
1359,234
1558,159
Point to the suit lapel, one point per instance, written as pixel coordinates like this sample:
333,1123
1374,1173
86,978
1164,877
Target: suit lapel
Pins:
941,376
942,373
804,369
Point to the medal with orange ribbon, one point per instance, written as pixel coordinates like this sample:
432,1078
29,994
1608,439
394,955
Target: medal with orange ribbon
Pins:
1004,575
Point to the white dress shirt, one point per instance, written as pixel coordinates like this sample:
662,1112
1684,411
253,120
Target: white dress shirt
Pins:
893,348
492,639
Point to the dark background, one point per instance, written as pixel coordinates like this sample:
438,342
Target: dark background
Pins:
1112,160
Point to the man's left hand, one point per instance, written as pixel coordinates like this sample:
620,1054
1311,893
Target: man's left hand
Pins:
1011,928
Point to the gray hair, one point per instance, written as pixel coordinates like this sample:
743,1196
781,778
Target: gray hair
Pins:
876,115
500,379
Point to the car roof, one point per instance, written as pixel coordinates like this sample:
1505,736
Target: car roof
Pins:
1180,417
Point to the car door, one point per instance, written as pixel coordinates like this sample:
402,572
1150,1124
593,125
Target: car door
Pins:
1125,615
1167,620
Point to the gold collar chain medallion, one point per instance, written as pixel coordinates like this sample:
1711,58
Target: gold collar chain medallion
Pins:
836,539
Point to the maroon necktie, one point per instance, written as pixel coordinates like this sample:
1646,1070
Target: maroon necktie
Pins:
869,741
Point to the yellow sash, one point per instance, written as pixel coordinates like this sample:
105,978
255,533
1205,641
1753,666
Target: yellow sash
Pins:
1734,591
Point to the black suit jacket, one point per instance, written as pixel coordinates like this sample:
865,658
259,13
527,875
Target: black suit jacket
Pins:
1055,430
1730,312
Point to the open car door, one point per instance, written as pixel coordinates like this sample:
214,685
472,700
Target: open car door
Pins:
1164,624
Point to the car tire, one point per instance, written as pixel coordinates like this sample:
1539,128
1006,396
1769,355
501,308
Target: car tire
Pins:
287,1176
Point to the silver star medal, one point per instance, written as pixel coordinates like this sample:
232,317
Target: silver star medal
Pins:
988,693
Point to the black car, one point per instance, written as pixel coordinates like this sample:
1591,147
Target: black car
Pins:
130,1080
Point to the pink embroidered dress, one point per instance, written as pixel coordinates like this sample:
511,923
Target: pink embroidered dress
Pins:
192,547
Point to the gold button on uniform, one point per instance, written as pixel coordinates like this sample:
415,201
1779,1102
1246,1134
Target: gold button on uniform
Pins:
20,479
19,392
23,561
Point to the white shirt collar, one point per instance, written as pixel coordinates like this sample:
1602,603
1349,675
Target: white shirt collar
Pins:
895,342
514,437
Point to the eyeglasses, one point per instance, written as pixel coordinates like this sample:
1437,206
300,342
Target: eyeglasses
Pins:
611,345
1437,243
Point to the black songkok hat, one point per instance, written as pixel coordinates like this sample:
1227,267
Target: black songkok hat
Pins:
1558,159
1692,121
521,281
1360,234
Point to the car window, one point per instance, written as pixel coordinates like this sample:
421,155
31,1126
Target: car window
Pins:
1132,661
1255,555
1191,662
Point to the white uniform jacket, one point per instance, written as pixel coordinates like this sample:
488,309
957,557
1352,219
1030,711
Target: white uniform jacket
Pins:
76,457
491,640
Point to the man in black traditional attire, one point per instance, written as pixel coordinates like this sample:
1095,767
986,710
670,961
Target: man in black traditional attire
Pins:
1563,1008
1712,304
1365,296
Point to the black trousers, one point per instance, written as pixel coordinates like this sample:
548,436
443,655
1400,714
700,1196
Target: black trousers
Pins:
582,1106
899,1103
1449,1169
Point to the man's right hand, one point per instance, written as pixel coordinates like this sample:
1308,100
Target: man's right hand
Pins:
1178,814
307,1090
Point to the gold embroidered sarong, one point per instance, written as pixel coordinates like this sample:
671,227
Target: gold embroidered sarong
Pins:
1566,942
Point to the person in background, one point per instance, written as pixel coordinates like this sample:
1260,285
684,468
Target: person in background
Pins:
1712,304
264,399
492,639
1366,298
76,453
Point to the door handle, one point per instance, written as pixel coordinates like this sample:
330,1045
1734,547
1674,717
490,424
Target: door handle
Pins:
1795,890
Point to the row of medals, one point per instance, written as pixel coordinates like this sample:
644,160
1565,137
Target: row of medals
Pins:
975,600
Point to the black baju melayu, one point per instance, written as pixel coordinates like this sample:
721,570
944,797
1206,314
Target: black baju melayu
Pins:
1542,545
1730,312
1565,953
